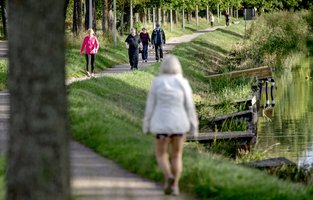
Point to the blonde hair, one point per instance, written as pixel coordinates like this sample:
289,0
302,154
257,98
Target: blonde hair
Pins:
171,65
90,31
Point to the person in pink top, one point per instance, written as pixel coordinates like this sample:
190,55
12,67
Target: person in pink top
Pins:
92,46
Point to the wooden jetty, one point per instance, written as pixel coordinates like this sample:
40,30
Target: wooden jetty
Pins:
260,73
220,135
273,162
250,101
247,115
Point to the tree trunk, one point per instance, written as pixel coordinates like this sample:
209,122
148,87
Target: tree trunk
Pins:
189,16
77,17
149,12
143,15
136,17
159,16
94,15
122,20
104,16
87,15
163,17
4,22
175,17
110,15
38,151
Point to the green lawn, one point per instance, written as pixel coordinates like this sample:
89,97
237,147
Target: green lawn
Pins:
106,114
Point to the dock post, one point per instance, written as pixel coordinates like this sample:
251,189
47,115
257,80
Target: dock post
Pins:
261,89
266,90
272,91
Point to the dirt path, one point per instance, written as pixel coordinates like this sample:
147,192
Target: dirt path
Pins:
96,177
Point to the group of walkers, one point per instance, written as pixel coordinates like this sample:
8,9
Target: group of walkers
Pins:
139,43
134,43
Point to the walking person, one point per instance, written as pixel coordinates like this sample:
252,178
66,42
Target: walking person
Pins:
169,114
145,39
133,43
227,18
91,44
158,40
211,19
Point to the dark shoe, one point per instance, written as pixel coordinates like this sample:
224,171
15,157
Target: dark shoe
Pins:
168,185
146,61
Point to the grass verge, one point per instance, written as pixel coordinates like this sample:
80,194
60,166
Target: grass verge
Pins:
106,114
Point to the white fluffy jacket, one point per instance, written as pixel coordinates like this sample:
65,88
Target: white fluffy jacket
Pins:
170,108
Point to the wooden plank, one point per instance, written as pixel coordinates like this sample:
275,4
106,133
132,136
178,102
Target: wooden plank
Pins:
260,72
237,114
273,162
250,101
220,135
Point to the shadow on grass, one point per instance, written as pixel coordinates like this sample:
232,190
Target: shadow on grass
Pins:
231,33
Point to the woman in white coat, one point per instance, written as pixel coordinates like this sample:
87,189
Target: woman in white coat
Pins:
170,114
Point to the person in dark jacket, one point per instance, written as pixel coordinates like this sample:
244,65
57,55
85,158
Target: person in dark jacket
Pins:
158,40
227,18
145,39
132,42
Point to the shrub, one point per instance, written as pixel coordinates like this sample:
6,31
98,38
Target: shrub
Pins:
272,37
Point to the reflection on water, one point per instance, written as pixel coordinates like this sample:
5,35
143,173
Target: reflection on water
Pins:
292,117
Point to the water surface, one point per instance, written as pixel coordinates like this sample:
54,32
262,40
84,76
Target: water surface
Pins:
291,124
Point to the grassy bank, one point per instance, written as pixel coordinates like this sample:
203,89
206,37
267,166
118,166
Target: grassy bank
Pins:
106,115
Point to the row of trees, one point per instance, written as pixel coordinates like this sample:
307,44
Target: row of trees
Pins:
103,9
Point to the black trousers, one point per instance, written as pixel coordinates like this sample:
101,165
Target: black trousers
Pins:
227,22
158,47
90,58
211,24
133,57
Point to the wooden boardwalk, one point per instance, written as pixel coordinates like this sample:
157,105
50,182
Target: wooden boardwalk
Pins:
220,135
260,73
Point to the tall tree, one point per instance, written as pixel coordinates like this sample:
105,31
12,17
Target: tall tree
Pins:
77,17
94,14
4,23
104,16
38,157
86,15
110,15
122,20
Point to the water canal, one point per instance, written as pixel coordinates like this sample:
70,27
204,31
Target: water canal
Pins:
290,122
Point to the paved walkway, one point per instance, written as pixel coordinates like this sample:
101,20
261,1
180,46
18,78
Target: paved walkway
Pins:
93,176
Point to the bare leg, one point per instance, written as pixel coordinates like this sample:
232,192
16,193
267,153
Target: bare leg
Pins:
176,157
161,153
